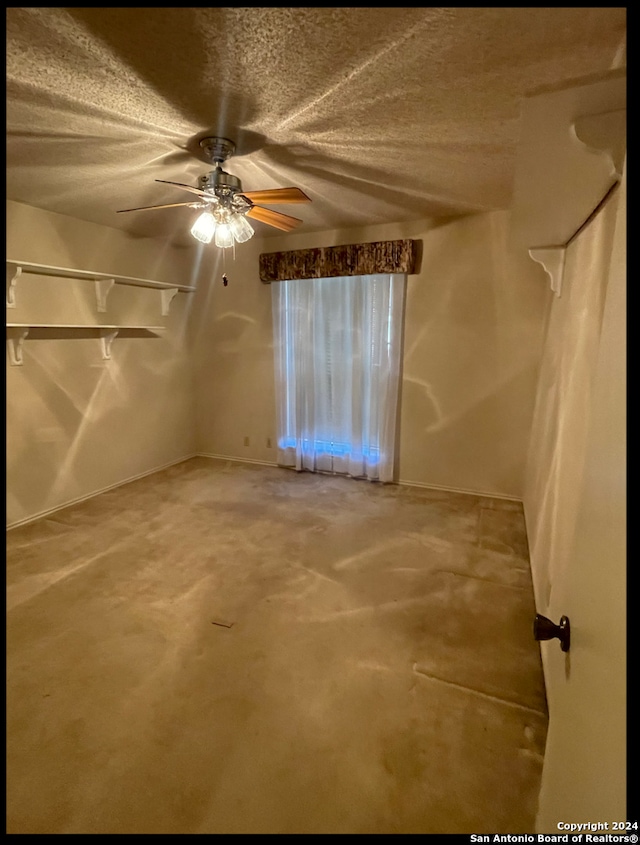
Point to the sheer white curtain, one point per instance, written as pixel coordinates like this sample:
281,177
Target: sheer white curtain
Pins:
337,357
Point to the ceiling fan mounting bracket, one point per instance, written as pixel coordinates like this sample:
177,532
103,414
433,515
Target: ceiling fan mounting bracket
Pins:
217,149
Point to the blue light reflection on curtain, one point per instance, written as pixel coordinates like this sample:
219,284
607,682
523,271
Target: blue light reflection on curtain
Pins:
338,353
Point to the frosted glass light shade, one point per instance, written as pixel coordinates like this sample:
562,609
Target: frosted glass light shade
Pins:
241,228
204,227
224,235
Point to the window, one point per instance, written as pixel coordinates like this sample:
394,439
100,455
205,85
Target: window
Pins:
337,358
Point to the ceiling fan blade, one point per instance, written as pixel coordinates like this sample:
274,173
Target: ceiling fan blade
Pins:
193,190
274,218
146,207
277,195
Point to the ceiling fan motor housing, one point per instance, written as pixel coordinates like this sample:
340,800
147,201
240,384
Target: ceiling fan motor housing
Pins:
219,181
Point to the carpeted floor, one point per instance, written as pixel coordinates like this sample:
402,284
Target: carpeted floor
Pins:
231,648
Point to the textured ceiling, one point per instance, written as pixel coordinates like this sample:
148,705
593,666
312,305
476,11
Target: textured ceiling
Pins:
378,114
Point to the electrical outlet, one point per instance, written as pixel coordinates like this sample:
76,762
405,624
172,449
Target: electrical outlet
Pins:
246,441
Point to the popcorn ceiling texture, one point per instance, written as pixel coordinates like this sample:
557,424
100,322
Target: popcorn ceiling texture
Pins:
378,114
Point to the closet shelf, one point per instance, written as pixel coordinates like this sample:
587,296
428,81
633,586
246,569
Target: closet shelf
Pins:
17,333
103,282
571,157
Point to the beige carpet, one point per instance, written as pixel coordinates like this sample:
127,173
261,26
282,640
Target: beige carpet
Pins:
231,648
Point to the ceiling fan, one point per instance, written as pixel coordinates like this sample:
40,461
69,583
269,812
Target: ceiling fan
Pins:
225,205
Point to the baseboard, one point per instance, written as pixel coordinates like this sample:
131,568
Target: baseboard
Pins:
236,458
77,501
484,494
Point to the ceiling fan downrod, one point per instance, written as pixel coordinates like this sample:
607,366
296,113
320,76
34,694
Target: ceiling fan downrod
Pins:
218,150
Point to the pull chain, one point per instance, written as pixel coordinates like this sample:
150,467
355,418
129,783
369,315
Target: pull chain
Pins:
225,280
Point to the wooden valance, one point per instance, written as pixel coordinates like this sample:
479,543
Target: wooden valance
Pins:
345,260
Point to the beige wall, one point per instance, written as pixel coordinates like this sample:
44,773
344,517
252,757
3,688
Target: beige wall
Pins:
575,508
76,423
232,341
555,466
474,329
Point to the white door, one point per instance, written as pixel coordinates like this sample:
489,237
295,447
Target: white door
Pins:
584,772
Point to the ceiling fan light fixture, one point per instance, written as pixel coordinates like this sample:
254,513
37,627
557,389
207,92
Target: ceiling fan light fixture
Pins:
241,228
224,235
204,227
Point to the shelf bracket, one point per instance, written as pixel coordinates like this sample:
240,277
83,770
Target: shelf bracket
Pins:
15,340
103,286
552,260
166,298
605,134
13,274
106,339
